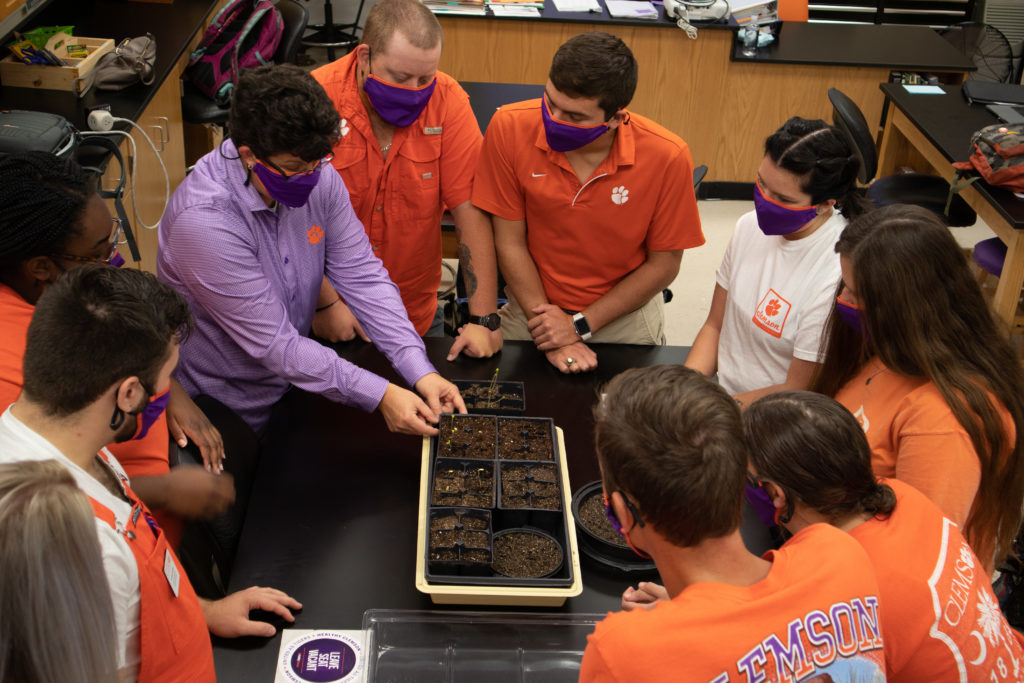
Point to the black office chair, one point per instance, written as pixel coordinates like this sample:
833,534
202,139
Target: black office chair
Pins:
334,36
198,108
921,189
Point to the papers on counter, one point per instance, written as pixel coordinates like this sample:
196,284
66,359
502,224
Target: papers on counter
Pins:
578,6
514,11
631,9
924,90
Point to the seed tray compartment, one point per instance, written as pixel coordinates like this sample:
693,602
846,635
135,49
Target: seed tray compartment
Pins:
459,482
502,398
526,438
459,542
528,485
460,583
466,436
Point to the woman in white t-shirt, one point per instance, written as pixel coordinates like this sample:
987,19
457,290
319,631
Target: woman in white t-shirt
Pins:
778,278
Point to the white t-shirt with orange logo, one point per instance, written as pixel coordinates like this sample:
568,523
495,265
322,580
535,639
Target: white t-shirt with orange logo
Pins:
780,294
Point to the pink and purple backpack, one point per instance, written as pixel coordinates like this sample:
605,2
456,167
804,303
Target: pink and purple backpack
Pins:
243,35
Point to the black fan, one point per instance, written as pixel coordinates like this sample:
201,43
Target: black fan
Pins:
987,47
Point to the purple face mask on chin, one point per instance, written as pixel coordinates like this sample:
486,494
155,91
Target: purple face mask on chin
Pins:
776,219
291,191
852,317
566,137
116,260
398,105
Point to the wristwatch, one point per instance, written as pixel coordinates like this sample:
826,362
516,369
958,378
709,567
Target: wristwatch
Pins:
491,321
579,321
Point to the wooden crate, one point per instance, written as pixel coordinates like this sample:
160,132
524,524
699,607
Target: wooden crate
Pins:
14,73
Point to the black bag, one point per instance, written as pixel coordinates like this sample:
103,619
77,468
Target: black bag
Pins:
980,92
36,131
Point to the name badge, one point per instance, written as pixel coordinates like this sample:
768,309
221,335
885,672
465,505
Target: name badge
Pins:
171,572
432,130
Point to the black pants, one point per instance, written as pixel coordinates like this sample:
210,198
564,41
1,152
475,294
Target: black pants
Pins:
207,548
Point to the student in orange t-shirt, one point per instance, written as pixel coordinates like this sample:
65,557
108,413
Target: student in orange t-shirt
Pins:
408,148
52,221
592,207
915,354
673,460
940,618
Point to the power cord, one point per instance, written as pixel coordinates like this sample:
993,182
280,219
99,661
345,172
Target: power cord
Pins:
101,122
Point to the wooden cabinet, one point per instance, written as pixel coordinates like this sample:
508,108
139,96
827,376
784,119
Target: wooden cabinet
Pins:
161,120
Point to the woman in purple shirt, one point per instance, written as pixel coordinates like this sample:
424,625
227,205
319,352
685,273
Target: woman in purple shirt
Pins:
247,239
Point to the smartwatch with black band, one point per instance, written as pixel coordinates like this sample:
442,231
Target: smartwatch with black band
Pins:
491,321
579,321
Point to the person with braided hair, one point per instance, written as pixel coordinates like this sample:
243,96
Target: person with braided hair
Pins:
52,221
776,284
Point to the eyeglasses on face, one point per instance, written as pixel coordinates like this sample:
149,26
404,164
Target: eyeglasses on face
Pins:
293,174
117,238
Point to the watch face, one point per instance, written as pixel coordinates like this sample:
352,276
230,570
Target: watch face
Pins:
581,325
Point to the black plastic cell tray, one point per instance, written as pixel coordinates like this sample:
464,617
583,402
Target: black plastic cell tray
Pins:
465,468
554,523
504,406
530,497
511,422
449,428
460,567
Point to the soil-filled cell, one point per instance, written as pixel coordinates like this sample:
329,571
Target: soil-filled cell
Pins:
522,439
466,437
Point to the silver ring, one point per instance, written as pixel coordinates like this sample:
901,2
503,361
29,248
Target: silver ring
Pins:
570,361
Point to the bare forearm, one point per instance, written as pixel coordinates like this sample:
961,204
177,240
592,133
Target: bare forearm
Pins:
476,256
703,356
151,490
634,290
328,295
797,379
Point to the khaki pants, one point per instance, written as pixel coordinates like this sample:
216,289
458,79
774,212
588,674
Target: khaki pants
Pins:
645,325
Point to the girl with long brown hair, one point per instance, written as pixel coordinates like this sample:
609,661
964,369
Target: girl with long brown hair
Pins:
914,353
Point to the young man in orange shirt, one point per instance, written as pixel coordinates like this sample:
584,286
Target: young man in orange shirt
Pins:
408,148
673,460
592,207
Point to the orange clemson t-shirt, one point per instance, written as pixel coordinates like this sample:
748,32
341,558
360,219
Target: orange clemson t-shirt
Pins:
814,617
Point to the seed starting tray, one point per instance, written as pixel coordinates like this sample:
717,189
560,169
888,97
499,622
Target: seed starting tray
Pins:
469,495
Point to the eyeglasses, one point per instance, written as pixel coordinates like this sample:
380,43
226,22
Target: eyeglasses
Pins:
754,482
281,172
117,238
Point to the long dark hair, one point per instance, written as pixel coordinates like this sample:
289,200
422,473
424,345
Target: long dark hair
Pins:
813,448
925,317
820,155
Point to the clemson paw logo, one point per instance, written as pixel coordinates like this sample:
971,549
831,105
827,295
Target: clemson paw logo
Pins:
344,127
620,195
773,307
315,234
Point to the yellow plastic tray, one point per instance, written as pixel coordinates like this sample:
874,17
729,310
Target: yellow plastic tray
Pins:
448,594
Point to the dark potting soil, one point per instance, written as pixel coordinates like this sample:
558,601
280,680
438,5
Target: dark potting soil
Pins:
469,487
449,537
524,486
483,396
593,518
466,437
524,439
482,556
525,555
453,521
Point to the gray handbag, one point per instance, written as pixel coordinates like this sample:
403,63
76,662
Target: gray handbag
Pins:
131,62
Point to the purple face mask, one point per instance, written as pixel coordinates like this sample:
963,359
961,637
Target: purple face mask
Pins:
397,104
565,137
292,190
851,316
153,409
116,260
761,502
776,219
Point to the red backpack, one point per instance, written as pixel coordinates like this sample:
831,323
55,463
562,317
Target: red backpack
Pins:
997,154
243,35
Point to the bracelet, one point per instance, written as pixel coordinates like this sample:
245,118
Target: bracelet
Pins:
324,308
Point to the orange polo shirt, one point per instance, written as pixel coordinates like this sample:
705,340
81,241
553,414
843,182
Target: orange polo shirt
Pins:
585,237
429,167
146,457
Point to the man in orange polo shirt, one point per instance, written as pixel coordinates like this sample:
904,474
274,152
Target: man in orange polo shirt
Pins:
408,149
592,207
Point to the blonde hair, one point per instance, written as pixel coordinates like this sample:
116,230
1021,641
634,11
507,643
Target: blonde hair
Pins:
56,618
410,17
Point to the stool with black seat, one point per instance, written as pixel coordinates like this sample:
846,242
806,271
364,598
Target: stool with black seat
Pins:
198,108
334,36
921,189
